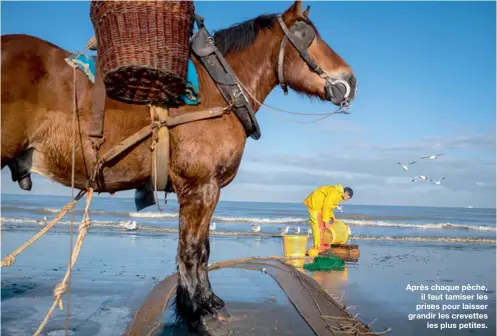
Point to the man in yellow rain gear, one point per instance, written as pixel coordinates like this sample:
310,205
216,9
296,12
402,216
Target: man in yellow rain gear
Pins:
321,203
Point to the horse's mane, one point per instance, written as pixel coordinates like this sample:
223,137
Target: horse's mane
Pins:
242,35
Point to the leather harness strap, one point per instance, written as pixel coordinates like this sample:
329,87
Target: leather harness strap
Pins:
160,148
281,58
98,110
146,131
205,50
195,116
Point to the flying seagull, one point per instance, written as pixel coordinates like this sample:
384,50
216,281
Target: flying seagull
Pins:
437,182
421,177
405,167
432,157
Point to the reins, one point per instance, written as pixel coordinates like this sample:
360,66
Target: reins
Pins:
341,110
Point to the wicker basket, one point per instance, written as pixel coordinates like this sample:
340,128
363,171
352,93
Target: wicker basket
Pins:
143,48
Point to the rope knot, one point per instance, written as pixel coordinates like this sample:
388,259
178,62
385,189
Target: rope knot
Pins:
59,290
8,261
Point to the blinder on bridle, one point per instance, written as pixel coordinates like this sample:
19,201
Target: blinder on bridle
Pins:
301,35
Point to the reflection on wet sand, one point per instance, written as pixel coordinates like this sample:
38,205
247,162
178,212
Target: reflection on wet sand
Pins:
333,282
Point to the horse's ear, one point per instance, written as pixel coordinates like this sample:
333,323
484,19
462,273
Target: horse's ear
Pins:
306,12
293,13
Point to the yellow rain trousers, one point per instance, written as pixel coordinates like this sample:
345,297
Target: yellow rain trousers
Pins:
317,227
321,203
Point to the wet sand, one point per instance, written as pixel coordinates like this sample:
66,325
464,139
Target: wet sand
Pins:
376,284
115,272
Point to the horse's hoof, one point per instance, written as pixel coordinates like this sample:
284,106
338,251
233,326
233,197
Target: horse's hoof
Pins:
212,327
25,183
223,314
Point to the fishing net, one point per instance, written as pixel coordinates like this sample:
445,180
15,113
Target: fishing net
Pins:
325,263
323,314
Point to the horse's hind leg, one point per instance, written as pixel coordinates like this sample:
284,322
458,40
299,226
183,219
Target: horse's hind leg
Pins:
196,304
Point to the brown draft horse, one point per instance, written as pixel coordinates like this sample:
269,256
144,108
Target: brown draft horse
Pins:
37,107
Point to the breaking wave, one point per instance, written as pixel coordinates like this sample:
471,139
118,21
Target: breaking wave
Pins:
302,220
419,226
223,218
151,216
63,226
103,223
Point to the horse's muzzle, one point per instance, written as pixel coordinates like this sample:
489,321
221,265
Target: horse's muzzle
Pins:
340,91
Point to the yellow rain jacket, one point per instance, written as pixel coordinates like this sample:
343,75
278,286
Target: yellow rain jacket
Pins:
325,199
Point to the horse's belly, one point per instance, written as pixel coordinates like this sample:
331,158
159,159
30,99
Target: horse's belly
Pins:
39,166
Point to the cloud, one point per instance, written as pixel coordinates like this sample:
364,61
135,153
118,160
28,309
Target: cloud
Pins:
376,177
467,142
373,173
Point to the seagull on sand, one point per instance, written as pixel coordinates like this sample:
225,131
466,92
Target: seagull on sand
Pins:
406,167
309,232
437,182
297,230
421,177
256,228
284,230
212,226
43,222
129,225
432,157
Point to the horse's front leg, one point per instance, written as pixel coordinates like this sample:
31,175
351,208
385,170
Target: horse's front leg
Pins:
196,304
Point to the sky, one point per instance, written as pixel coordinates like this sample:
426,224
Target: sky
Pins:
427,84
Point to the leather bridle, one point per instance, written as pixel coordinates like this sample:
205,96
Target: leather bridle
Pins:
301,35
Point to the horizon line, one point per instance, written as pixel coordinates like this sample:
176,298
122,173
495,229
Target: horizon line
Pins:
175,199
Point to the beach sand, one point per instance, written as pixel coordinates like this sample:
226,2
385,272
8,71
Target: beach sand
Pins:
115,272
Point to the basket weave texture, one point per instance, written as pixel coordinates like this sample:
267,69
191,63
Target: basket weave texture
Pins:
143,48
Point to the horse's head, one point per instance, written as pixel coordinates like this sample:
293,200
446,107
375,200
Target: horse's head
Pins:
308,64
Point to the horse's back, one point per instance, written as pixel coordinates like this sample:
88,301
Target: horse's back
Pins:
20,48
15,43
28,67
